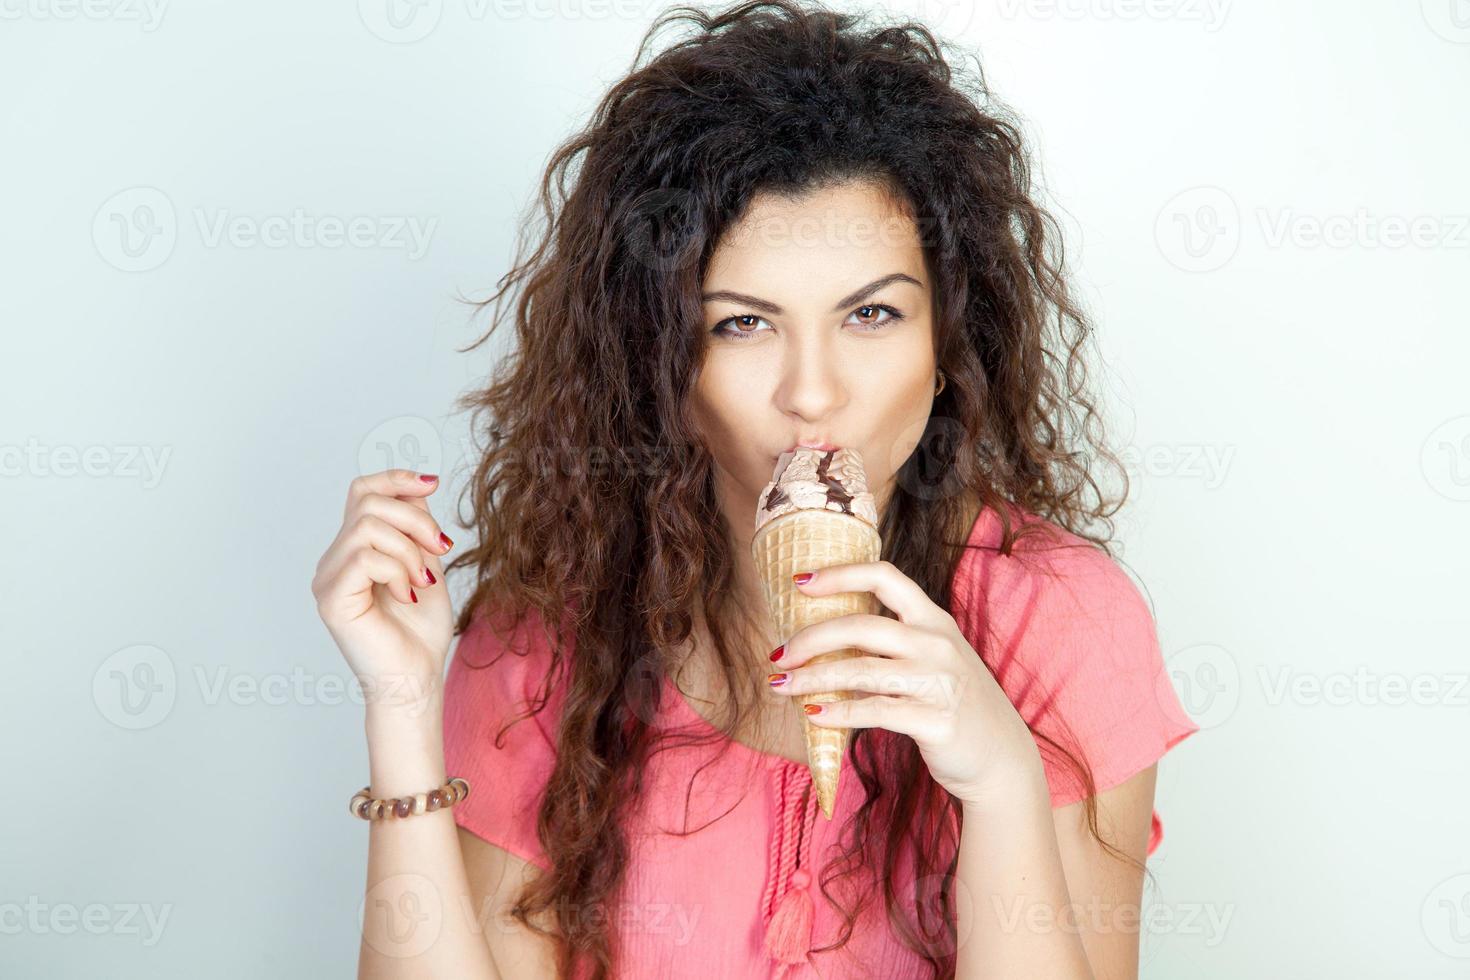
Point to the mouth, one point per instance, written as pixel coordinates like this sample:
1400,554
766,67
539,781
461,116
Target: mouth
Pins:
822,446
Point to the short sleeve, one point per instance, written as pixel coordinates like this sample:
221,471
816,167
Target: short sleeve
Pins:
1074,646
492,679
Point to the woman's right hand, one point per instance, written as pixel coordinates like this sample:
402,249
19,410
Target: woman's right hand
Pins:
375,590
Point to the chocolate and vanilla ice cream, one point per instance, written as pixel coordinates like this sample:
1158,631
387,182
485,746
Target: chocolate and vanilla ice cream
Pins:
817,479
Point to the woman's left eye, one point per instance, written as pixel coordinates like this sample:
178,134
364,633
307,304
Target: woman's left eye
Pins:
868,316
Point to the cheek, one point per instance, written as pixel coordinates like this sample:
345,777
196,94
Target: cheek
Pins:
899,394
719,405
897,386
733,412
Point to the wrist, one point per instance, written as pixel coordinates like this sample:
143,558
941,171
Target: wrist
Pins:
418,723
402,696
1020,785
405,755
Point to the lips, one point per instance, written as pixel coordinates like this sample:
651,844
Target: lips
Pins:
824,446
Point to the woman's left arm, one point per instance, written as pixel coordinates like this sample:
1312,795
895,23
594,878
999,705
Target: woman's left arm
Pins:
1044,884
1017,856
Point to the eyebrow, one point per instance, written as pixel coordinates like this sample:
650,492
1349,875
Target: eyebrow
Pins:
766,306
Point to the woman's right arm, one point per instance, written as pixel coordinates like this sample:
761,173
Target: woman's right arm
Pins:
379,590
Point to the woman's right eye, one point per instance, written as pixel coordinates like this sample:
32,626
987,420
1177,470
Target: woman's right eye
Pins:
737,327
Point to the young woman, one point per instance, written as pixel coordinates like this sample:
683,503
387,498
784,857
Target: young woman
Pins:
787,228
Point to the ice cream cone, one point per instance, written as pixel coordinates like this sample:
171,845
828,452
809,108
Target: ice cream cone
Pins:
806,540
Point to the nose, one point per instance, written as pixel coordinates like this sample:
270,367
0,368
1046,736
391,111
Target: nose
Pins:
812,386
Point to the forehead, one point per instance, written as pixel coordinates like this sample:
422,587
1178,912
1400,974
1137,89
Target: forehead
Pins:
831,235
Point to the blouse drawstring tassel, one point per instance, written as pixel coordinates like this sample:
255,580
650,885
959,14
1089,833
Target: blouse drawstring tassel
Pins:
789,936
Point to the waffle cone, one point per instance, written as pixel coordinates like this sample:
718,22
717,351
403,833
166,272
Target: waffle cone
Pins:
804,541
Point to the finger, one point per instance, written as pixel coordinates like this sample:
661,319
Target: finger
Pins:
376,533
897,714
443,543
371,531
893,588
875,634
872,675
365,568
390,483
415,522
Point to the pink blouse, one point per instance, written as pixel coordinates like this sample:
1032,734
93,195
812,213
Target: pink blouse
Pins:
1073,641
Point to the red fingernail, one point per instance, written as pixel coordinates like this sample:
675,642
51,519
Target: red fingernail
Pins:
428,477
412,595
802,578
444,540
812,709
429,575
776,680
779,653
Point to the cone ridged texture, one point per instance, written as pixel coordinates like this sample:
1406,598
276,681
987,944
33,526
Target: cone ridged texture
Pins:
805,541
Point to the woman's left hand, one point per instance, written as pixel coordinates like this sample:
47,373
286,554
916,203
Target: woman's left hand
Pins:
925,679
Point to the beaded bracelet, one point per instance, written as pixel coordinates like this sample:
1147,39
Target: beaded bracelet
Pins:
364,806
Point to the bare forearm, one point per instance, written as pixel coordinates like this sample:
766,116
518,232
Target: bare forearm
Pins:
1014,910
418,918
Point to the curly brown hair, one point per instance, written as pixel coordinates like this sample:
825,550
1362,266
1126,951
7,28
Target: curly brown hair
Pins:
594,501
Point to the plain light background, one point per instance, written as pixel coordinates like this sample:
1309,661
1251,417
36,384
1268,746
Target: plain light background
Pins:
1266,214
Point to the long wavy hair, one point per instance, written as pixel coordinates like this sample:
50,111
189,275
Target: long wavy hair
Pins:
593,499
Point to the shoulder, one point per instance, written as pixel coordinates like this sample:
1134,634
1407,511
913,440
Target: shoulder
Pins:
500,662
1042,552
500,728
1074,644
1052,584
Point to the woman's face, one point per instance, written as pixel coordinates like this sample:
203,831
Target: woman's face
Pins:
821,331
